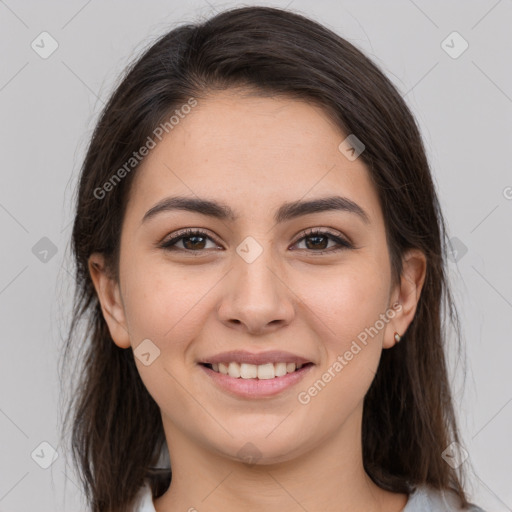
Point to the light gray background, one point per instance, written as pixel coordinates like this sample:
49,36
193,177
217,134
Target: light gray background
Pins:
48,109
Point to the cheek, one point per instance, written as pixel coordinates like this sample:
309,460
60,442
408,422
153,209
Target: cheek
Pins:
349,309
164,301
346,300
164,306
347,306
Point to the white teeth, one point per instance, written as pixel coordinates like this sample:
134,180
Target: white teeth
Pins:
266,371
234,370
252,371
280,369
248,371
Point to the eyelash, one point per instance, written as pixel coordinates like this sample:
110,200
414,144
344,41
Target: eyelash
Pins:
342,243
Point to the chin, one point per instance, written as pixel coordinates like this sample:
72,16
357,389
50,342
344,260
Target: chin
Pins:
262,450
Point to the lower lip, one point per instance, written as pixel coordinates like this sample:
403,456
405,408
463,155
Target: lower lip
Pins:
256,388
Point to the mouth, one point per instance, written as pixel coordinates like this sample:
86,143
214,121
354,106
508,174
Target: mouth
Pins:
255,381
249,371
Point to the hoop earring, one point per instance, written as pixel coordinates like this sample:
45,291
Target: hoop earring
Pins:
397,337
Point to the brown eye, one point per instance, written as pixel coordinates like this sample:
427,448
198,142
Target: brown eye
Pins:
196,240
317,241
192,241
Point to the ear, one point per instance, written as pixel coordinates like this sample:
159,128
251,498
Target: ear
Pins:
406,294
110,299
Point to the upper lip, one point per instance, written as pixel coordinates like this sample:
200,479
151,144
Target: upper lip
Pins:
242,356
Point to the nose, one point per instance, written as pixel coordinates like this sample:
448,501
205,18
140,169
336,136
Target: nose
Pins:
255,297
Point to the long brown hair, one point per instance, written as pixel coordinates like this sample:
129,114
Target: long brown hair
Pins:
408,417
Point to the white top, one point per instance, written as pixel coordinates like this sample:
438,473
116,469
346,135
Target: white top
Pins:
424,499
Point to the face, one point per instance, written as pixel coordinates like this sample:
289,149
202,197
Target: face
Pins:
310,285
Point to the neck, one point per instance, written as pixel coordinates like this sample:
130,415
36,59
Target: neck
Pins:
329,477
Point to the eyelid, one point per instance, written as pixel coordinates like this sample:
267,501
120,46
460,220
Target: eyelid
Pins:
342,241
185,233
324,231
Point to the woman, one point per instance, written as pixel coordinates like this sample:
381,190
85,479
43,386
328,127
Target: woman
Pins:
257,222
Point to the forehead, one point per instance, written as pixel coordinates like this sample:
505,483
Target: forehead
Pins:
250,151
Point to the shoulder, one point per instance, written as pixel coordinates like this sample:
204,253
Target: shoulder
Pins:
428,499
144,500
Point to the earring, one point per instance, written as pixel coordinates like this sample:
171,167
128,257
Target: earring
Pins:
397,337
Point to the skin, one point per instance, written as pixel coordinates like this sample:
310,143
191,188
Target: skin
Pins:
254,153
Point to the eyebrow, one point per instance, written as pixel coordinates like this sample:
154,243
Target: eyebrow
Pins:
286,211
